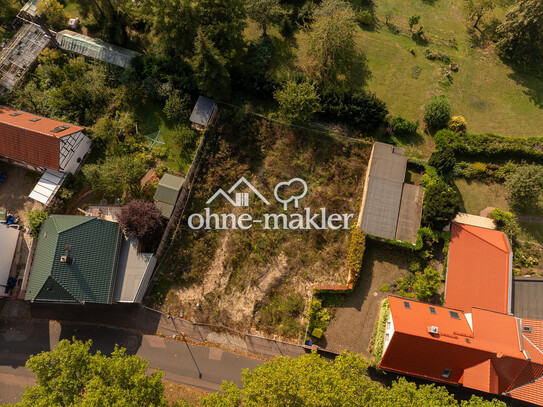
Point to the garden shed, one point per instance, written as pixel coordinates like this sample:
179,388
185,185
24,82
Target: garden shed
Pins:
167,192
204,113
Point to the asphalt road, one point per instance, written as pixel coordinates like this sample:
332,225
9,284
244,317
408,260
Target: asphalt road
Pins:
197,366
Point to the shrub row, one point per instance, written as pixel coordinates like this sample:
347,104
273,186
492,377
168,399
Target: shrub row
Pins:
485,172
436,55
356,253
379,331
489,145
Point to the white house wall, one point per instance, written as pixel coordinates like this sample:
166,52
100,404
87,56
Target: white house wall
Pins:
73,149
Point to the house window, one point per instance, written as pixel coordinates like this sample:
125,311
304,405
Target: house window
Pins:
406,305
433,310
446,373
454,315
387,337
527,329
35,119
388,326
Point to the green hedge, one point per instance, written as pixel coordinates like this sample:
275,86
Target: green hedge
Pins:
378,338
356,253
490,145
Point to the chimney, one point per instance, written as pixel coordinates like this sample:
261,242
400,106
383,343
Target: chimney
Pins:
66,258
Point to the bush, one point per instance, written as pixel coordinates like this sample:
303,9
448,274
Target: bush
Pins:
282,314
458,124
403,127
35,219
177,106
318,316
298,102
142,220
430,177
426,284
437,113
436,56
507,223
361,109
365,18
525,185
443,160
384,288
440,206
357,247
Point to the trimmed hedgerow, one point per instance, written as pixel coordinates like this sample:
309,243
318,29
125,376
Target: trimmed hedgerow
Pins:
490,145
356,253
378,338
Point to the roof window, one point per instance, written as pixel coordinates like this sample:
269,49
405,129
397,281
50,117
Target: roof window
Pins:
35,119
16,114
60,128
406,305
527,329
468,340
433,310
446,373
454,315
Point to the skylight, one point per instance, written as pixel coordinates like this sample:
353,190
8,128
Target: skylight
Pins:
454,315
446,373
16,114
433,310
406,305
60,128
35,119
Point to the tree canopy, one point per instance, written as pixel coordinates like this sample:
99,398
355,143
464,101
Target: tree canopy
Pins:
70,375
312,381
525,185
329,54
521,34
440,205
143,220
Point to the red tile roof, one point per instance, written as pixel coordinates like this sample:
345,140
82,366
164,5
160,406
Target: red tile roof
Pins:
478,272
31,141
495,356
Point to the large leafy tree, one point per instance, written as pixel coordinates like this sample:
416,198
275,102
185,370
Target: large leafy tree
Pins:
521,35
173,24
70,375
440,205
117,175
478,8
437,112
328,52
313,381
210,68
265,13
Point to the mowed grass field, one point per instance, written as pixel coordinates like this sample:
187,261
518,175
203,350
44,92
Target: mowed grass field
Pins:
489,94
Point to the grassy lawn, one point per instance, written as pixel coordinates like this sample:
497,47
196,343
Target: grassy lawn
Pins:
476,196
490,95
152,120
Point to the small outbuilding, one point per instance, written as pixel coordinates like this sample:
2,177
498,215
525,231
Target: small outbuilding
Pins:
167,192
204,113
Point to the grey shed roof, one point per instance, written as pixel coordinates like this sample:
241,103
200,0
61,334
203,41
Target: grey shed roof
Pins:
93,48
201,114
392,209
167,192
527,295
382,207
388,162
134,272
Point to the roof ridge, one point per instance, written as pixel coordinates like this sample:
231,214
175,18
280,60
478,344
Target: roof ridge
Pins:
68,291
90,218
479,237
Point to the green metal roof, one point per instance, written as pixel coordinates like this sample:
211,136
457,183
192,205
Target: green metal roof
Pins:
93,246
168,189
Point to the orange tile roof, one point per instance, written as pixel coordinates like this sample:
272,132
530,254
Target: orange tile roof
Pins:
482,377
478,272
31,141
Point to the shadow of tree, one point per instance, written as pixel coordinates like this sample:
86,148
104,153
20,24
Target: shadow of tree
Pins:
460,198
533,87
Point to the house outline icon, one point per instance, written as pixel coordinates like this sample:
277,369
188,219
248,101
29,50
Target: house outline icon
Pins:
241,198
